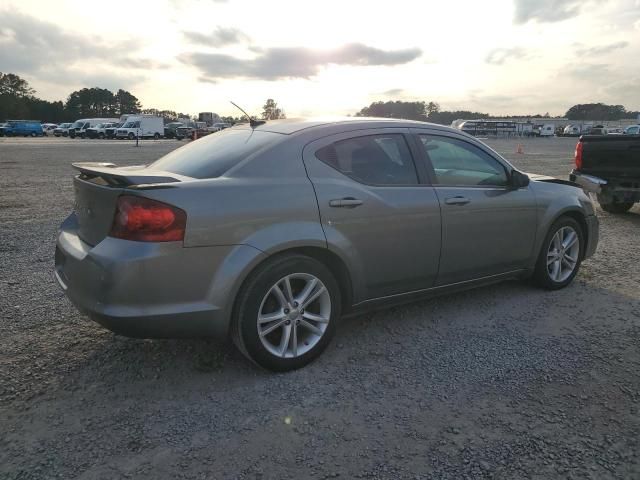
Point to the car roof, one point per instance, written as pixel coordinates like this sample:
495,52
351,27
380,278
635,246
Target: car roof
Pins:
294,125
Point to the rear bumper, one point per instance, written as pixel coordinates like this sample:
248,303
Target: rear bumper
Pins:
151,290
588,183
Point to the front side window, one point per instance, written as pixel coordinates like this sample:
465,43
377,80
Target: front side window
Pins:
372,159
459,163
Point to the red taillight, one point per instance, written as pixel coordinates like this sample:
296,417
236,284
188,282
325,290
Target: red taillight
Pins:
145,220
578,155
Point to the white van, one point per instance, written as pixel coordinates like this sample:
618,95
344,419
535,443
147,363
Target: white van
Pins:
141,126
571,131
79,127
547,130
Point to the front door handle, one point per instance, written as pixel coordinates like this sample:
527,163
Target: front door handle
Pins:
348,202
459,200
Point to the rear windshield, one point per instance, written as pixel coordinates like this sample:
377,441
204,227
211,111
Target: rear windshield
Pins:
213,155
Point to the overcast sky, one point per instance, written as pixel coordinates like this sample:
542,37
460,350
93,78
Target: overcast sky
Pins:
330,57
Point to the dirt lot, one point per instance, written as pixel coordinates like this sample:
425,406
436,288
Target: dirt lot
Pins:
502,382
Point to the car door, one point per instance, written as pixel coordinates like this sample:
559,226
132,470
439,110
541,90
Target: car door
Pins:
376,210
488,227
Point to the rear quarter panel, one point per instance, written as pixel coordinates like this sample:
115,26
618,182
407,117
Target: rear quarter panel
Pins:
266,202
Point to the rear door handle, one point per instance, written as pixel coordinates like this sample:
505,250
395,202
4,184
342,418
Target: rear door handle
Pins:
459,200
348,202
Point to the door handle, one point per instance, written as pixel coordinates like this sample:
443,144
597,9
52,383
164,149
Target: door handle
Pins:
348,202
459,200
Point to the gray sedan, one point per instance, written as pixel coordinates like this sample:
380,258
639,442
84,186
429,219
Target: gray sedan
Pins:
270,233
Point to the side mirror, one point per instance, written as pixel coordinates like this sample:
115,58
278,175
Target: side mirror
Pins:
518,180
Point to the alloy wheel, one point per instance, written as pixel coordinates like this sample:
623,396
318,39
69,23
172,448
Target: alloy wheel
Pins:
562,254
293,315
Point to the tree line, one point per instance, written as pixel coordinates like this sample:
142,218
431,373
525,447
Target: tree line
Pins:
431,112
18,101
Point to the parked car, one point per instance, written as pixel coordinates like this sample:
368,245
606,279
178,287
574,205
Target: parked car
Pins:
200,129
177,130
271,232
609,166
572,131
100,130
62,130
598,130
216,127
3,127
632,130
546,130
141,126
48,128
23,128
614,131
79,127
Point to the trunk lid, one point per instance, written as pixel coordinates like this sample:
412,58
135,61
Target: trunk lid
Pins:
98,187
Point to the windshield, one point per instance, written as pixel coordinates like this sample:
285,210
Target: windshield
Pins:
132,125
78,124
212,156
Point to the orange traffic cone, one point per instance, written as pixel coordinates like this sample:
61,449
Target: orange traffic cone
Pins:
520,149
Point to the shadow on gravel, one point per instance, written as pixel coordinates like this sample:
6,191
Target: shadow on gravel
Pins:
510,310
491,383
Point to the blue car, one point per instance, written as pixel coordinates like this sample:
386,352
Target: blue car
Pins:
24,128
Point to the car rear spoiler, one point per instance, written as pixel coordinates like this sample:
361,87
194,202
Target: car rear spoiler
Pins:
126,177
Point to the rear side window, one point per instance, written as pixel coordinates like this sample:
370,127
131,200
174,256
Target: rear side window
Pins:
372,159
213,155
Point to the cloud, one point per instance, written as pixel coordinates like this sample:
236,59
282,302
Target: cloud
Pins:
544,11
394,92
628,88
112,81
29,46
599,50
499,56
592,73
220,37
296,62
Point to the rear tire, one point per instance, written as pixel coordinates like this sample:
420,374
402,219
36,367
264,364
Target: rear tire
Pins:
271,326
615,207
156,136
560,258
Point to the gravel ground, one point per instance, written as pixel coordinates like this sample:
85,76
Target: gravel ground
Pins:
501,382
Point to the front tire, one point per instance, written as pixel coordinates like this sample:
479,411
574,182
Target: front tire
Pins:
561,254
286,313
